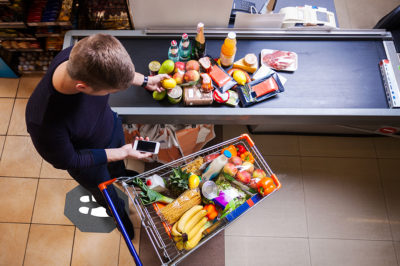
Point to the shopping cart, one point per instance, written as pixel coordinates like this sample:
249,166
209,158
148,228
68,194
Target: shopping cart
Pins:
157,229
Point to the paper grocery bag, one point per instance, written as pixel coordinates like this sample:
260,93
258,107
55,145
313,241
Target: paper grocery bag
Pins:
256,21
193,139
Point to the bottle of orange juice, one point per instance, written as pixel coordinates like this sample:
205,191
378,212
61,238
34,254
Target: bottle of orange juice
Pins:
228,50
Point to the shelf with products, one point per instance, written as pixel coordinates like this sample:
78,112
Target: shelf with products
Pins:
102,14
12,25
16,35
12,16
50,13
34,63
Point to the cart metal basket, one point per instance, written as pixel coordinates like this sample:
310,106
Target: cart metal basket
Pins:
158,230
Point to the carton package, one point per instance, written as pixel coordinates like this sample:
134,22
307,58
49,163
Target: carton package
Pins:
193,96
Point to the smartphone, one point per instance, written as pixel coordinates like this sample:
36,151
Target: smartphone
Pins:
146,146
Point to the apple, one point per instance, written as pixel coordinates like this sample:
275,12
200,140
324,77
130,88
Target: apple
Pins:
192,65
259,173
236,160
230,169
191,75
178,77
247,166
179,67
253,183
243,176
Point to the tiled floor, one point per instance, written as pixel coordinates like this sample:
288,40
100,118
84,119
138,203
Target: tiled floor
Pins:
339,204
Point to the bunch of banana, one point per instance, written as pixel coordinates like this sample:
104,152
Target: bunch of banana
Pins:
188,231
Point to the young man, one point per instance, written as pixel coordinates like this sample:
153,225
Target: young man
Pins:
69,119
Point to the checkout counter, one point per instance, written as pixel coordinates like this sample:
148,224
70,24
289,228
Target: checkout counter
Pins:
337,87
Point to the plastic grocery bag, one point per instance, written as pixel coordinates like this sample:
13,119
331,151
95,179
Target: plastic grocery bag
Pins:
175,140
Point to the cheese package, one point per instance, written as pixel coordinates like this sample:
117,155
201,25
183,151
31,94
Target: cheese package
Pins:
193,96
249,63
260,90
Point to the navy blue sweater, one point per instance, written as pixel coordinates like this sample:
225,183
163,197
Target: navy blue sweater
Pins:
68,131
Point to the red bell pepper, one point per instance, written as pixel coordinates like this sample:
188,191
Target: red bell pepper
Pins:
240,149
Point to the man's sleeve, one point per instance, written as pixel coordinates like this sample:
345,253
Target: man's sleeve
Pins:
54,145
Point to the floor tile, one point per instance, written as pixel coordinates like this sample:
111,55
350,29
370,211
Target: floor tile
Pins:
387,147
266,144
49,245
337,146
13,239
283,213
266,250
96,248
389,170
26,86
6,106
352,252
396,245
17,196
48,171
50,201
233,131
20,158
8,87
344,199
2,139
17,123
125,257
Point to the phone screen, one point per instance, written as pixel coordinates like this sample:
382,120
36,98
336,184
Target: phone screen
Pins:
146,146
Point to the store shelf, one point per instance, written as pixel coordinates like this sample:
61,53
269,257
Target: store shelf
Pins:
54,23
25,50
18,39
12,25
34,72
39,35
5,2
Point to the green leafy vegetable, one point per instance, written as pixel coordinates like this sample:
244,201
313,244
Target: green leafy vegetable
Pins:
148,196
178,181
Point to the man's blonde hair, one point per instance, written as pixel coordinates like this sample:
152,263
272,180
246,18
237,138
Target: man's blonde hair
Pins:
102,62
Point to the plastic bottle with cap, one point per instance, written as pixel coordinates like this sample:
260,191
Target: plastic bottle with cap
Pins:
216,166
228,50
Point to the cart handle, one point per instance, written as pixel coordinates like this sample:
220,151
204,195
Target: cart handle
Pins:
247,137
104,185
103,188
276,180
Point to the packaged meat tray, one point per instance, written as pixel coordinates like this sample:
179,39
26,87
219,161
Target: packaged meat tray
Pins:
279,60
223,182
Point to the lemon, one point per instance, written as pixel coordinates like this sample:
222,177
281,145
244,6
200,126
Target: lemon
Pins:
194,181
240,77
167,67
169,83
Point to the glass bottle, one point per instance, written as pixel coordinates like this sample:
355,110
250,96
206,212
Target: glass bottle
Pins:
199,47
173,51
184,48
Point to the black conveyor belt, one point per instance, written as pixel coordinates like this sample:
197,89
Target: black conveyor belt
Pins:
331,73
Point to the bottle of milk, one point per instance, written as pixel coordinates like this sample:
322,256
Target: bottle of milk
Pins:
216,166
